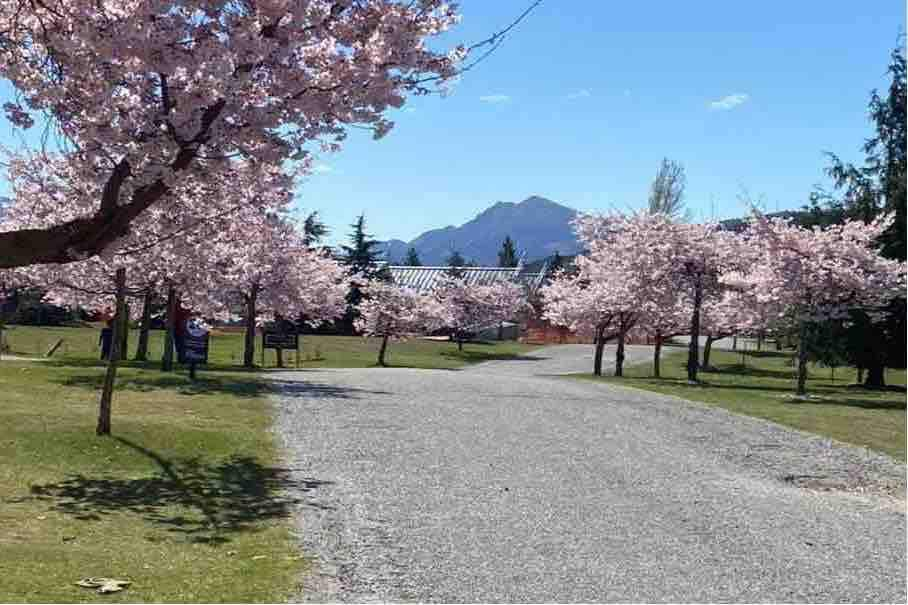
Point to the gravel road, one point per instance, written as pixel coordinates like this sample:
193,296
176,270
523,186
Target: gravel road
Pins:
503,483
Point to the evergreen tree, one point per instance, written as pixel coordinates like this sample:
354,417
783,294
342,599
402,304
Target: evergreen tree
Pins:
868,190
507,256
359,255
314,229
557,262
412,258
363,260
667,190
455,262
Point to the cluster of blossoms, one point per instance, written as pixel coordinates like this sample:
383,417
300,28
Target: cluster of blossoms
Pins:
645,271
152,95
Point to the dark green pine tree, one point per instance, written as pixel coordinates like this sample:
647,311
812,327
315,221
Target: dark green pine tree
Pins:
362,259
456,263
314,229
412,258
360,255
507,256
877,186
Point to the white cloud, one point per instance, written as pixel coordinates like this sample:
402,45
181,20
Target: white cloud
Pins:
583,93
729,101
495,98
322,168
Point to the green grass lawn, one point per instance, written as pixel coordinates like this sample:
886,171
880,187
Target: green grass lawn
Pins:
762,388
80,346
187,498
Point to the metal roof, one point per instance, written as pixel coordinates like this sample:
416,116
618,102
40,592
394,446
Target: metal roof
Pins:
426,278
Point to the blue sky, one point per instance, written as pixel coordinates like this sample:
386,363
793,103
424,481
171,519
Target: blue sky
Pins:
584,99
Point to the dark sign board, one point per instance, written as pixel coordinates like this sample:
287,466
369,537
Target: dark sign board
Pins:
195,343
280,338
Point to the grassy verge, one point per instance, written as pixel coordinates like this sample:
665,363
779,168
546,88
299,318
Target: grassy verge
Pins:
80,346
185,500
762,385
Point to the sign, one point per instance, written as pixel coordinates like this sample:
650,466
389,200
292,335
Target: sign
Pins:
195,343
280,336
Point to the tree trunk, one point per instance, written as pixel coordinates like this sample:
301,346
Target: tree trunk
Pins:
142,346
459,344
382,350
802,360
734,343
619,354
600,345
167,360
249,342
707,349
124,335
860,379
279,353
693,349
110,376
657,352
876,378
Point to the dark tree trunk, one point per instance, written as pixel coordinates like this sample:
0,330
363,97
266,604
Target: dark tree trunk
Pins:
279,354
249,342
734,343
144,329
860,379
124,335
707,349
657,353
619,353
802,360
167,360
600,346
693,349
382,350
110,376
876,376
459,344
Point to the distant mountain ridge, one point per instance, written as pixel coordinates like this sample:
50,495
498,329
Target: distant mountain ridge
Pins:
538,226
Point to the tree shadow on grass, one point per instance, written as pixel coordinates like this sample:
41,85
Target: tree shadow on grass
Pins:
750,371
207,503
202,385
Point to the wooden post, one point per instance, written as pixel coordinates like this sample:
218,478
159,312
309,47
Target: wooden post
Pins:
103,427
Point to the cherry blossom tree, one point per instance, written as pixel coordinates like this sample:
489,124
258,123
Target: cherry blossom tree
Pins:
149,95
473,307
811,275
389,311
625,275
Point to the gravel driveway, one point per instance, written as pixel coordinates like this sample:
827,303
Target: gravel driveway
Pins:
502,483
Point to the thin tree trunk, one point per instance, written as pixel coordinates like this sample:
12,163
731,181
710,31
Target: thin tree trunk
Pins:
144,329
249,342
167,360
110,376
619,354
707,349
279,353
734,343
860,379
600,346
693,349
802,360
459,344
876,377
382,349
124,335
657,353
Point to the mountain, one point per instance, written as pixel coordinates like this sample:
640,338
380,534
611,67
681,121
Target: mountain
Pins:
538,226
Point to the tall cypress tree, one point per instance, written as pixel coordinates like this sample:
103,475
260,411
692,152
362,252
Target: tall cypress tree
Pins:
507,256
